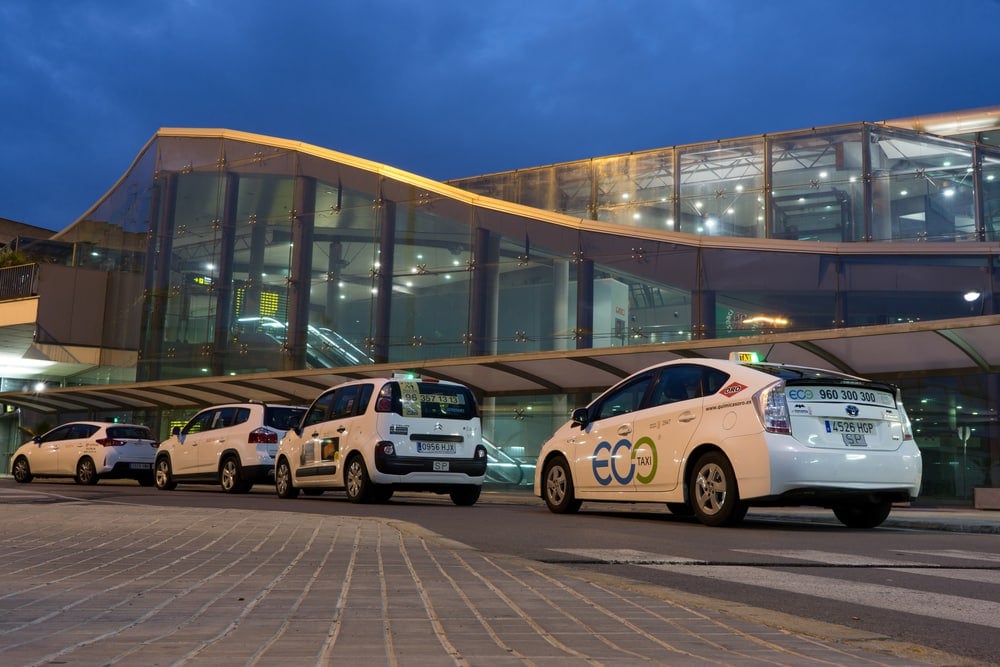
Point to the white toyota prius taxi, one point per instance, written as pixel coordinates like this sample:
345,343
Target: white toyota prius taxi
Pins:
712,437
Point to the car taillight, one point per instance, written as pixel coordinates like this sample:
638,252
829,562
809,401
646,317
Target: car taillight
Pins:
262,436
383,404
773,409
904,418
110,442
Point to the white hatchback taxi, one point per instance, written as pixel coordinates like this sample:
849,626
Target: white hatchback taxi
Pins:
371,437
713,437
88,452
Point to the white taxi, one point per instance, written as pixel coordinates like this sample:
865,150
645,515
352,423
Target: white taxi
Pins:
372,437
87,452
712,437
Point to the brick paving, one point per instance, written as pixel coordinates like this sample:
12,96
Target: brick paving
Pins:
86,583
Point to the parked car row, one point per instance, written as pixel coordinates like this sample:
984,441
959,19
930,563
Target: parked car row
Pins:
707,437
365,437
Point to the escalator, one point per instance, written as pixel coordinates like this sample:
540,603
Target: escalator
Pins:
325,348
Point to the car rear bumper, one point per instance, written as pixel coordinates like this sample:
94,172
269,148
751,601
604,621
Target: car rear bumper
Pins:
830,471
128,470
427,470
258,474
772,466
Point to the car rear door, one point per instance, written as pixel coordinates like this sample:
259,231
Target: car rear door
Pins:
663,429
227,430
79,442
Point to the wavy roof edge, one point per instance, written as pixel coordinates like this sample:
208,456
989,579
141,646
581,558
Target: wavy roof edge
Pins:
443,188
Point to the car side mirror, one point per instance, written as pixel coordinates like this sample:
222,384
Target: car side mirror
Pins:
580,417
297,430
175,430
37,440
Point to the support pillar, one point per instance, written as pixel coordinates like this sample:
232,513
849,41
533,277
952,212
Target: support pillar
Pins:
300,273
223,284
158,290
483,312
383,281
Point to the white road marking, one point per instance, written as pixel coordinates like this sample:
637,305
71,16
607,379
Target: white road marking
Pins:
892,598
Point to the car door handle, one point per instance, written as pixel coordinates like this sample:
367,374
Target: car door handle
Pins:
315,434
624,429
687,417
341,429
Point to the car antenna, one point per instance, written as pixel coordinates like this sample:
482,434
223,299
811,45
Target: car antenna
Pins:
769,350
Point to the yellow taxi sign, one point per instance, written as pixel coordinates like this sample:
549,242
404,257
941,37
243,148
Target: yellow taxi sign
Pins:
745,357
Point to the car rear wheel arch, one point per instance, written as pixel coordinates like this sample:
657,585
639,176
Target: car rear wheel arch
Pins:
231,477
86,471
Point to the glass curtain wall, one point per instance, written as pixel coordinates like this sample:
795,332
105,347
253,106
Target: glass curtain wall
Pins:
853,183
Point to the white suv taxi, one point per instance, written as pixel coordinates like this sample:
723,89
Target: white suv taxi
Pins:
230,445
371,437
712,437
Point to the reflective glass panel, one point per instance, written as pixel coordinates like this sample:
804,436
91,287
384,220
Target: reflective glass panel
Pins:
722,188
922,188
817,191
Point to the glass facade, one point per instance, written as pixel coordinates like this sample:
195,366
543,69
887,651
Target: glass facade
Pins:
253,254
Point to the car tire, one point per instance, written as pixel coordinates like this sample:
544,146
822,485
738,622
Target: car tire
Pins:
86,472
714,494
357,483
466,496
21,471
557,487
163,474
863,514
283,485
231,476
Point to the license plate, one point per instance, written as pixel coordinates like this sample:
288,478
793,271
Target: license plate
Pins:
440,466
140,466
436,447
850,426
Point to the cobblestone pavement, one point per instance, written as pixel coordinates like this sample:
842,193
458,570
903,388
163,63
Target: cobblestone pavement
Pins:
86,583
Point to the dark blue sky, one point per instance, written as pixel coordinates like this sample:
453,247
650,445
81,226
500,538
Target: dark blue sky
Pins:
449,88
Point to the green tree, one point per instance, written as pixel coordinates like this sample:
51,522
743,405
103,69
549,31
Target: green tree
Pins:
13,257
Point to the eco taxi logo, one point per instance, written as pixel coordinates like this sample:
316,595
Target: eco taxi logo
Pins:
611,464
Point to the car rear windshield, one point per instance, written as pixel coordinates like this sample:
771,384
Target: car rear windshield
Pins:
129,433
282,418
434,400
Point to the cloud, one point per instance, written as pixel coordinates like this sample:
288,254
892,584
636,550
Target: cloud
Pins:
454,88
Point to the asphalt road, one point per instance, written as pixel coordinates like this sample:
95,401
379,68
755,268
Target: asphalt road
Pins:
936,588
